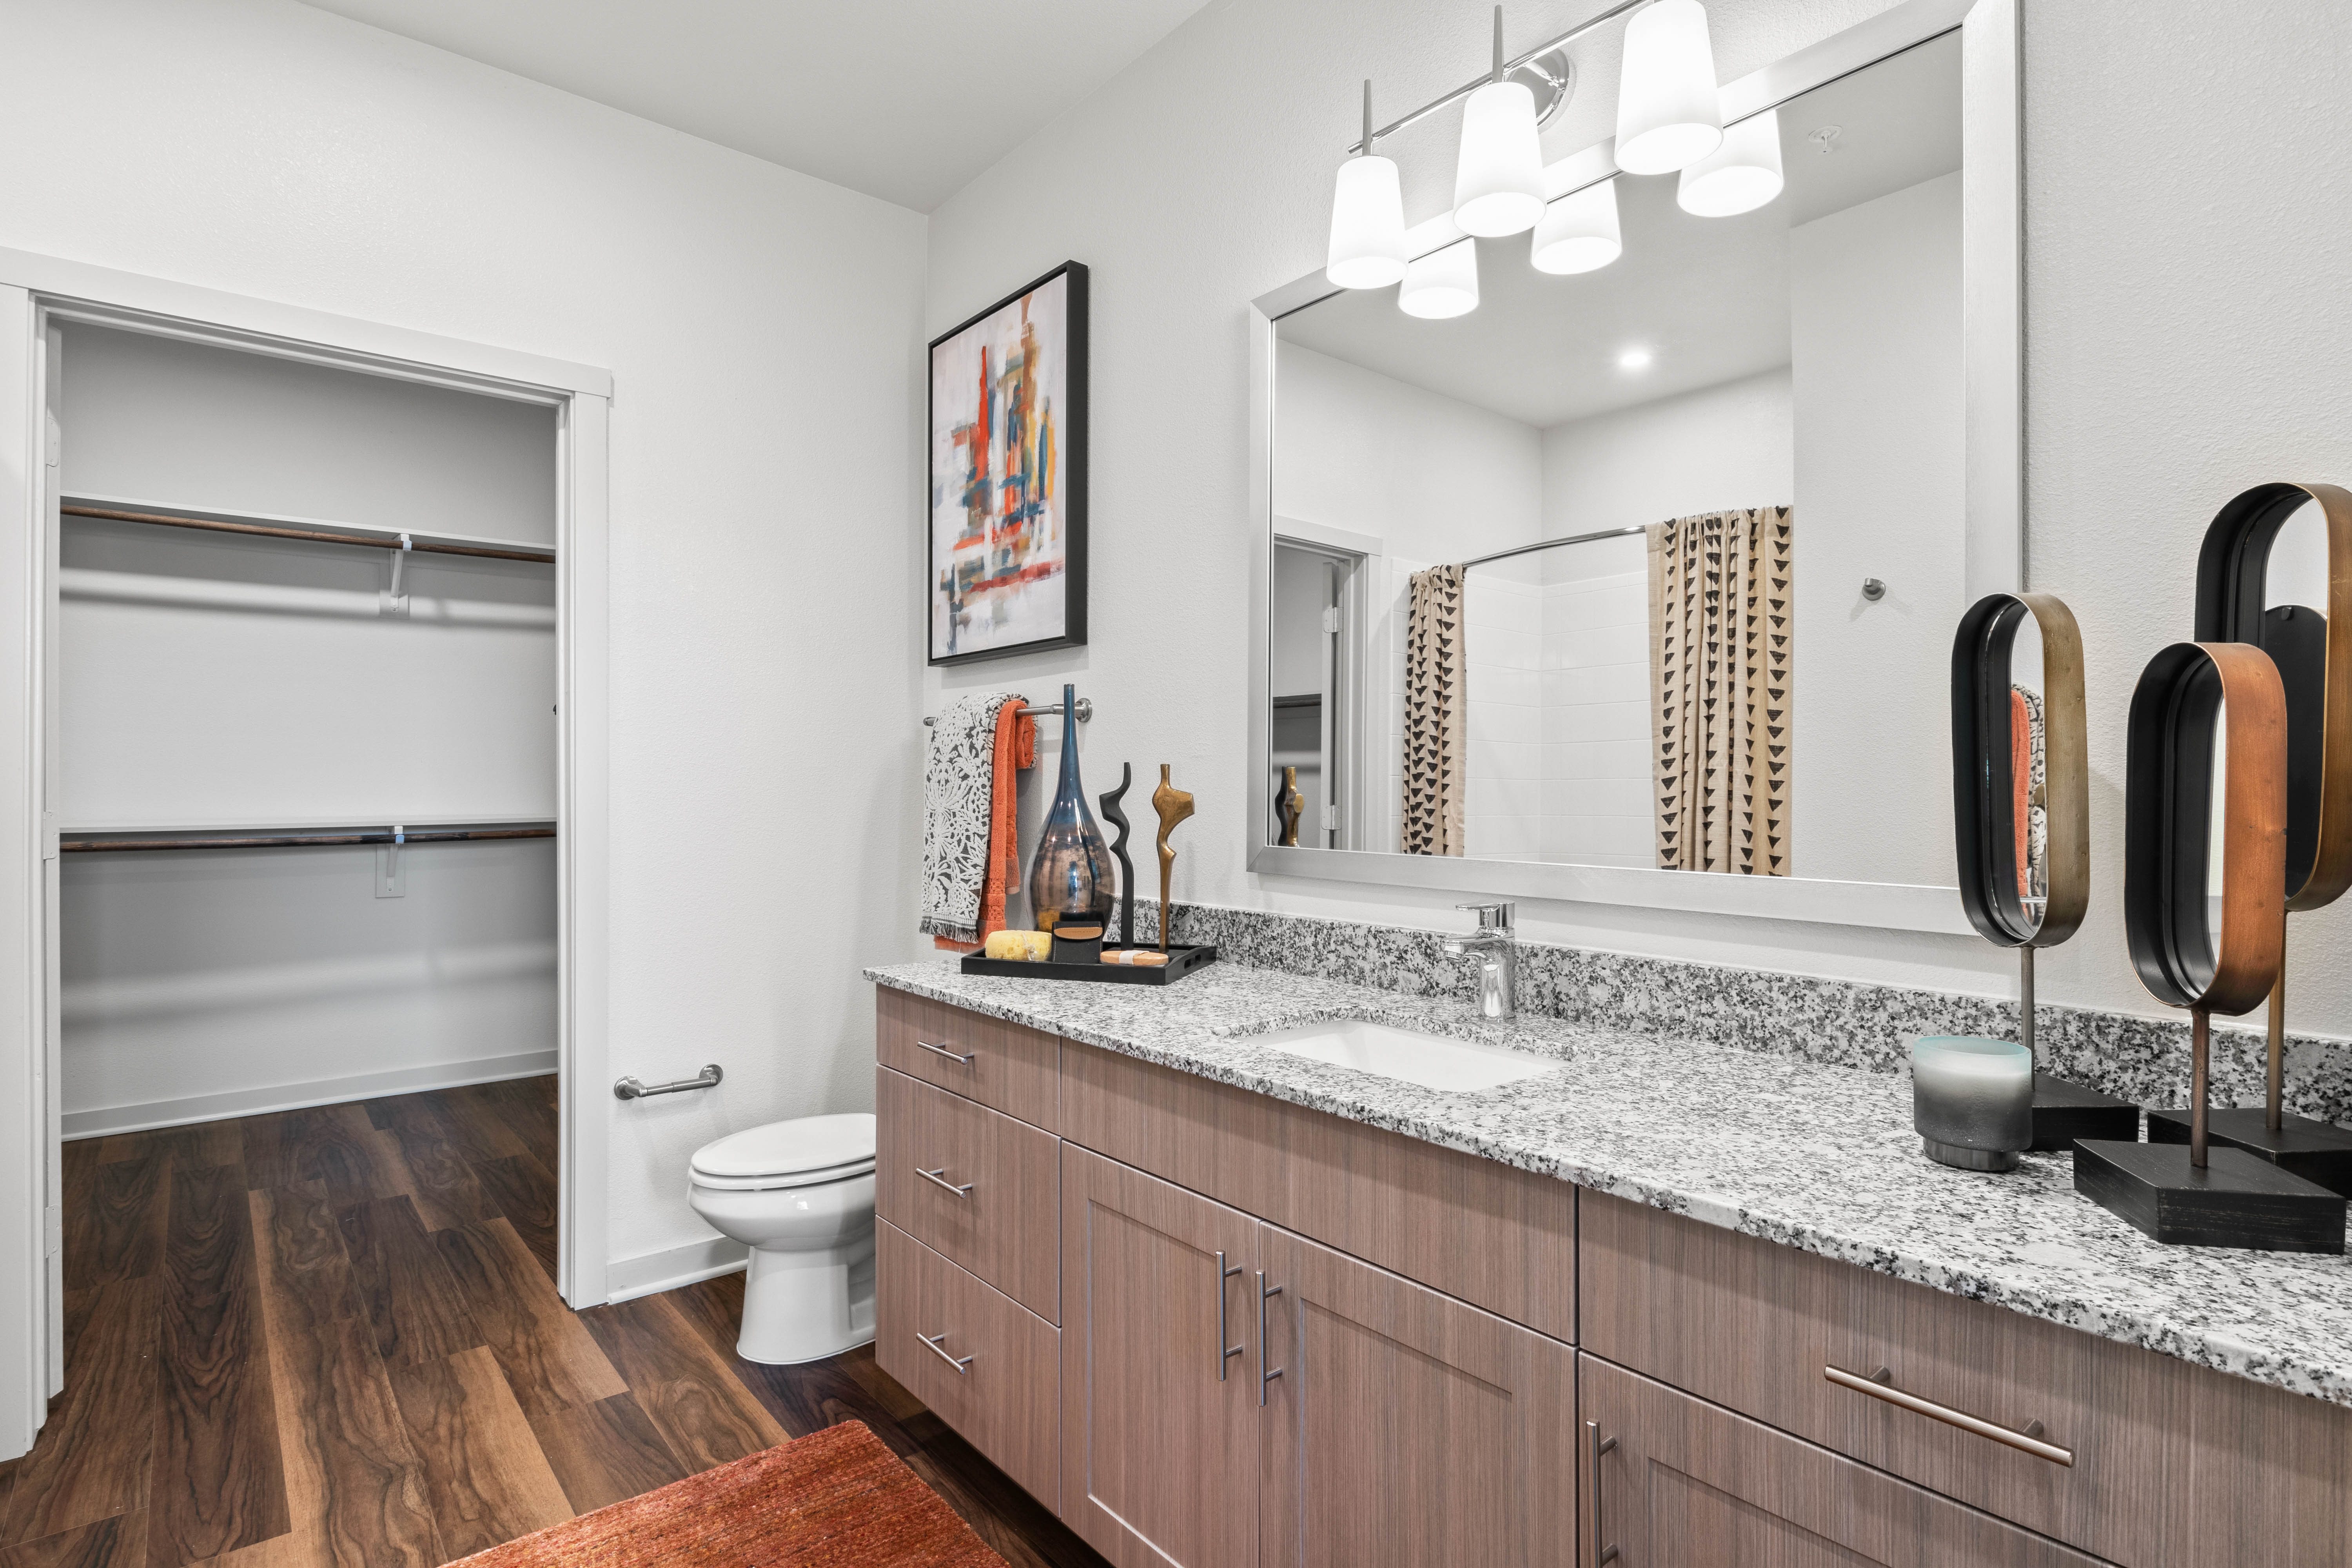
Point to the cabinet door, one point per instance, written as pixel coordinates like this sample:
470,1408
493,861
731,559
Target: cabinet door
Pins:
1684,1484
1406,1428
1159,1429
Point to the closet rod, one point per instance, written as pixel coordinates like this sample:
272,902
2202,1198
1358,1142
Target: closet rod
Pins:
316,536
302,840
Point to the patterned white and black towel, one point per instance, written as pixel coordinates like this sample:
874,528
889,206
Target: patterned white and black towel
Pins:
956,792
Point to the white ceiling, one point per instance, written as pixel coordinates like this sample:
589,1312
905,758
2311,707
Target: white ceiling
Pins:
905,100
1707,297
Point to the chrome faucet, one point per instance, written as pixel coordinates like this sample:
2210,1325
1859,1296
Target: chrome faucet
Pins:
1498,959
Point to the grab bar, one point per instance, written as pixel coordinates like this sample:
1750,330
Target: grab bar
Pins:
631,1089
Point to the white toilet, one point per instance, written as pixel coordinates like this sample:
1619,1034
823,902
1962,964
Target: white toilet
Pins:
800,1194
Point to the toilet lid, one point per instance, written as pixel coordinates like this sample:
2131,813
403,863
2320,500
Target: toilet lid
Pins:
812,1149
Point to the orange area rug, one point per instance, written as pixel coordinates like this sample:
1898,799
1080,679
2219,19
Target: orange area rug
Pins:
836,1498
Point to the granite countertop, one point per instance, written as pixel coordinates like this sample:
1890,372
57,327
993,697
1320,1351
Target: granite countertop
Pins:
1815,1157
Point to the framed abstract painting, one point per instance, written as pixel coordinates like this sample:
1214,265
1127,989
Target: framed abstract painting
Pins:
1007,559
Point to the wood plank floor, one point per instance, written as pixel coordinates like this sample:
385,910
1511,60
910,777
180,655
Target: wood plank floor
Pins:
330,1339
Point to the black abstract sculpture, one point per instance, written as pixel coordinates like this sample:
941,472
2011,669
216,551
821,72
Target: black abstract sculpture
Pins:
1117,818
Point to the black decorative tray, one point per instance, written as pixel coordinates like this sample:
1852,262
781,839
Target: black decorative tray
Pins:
1182,961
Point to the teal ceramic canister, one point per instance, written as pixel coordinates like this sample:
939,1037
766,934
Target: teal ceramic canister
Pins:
1972,1101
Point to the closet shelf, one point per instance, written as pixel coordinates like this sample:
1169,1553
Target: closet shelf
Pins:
117,828
266,525
407,835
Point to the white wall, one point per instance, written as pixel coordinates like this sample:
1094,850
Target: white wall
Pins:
2187,322
1875,337
1434,477
760,327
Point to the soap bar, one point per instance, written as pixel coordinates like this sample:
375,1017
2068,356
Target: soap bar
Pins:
1020,946
1137,957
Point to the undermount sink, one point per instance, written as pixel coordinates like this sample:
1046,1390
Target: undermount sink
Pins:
1433,1061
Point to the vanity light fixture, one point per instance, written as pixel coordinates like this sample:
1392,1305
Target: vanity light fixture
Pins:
1578,233
1668,116
1443,284
1498,187
1634,358
1739,176
1368,248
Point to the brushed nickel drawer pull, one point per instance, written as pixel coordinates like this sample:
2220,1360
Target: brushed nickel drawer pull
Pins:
1604,1551
1879,1385
939,1178
1226,1352
943,1051
963,1364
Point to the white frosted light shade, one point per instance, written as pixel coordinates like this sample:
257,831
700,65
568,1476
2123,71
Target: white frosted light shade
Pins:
1441,284
1739,176
1367,225
1668,116
1579,232
1498,185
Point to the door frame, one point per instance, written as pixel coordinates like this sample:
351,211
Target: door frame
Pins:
36,292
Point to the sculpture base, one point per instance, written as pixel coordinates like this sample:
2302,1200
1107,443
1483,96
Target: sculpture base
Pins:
2063,1112
2319,1151
2236,1201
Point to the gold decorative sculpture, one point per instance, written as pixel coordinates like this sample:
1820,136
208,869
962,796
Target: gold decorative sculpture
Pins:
1173,806
1291,805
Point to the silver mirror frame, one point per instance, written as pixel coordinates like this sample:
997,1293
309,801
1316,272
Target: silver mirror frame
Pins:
1993,346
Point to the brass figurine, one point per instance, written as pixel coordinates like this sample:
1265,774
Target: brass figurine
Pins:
1173,806
1291,805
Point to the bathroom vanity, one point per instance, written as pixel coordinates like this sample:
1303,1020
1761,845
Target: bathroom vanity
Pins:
1216,1302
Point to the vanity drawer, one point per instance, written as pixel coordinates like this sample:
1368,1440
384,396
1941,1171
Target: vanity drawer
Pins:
1686,1485
996,1372
1006,1066
1487,1234
2171,1464
992,1200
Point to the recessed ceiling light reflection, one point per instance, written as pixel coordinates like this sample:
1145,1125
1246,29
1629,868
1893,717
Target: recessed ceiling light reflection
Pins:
1634,358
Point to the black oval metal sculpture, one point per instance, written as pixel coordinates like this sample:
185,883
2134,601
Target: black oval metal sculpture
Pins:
2312,647
2197,1194
1986,831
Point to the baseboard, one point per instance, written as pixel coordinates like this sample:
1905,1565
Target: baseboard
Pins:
107,1120
650,1272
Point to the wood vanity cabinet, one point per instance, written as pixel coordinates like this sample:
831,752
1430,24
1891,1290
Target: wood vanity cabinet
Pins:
1445,1328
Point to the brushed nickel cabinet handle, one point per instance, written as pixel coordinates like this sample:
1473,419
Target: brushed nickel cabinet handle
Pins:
961,1363
1226,1352
943,1051
939,1178
1879,1384
1604,1551
1265,1373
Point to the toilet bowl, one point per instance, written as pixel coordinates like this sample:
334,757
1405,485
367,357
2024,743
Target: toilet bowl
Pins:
800,1196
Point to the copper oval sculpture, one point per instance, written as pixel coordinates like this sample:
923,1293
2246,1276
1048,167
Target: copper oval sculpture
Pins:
2168,826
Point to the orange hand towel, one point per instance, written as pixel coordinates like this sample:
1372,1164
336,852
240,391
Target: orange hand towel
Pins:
1016,747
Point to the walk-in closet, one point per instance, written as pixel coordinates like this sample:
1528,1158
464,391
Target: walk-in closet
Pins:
302,744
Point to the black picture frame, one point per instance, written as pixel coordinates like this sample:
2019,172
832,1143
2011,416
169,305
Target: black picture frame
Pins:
1071,492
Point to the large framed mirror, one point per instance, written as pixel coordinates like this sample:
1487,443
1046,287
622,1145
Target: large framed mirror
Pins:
1635,581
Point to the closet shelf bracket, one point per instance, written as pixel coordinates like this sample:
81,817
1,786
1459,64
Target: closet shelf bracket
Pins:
395,599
